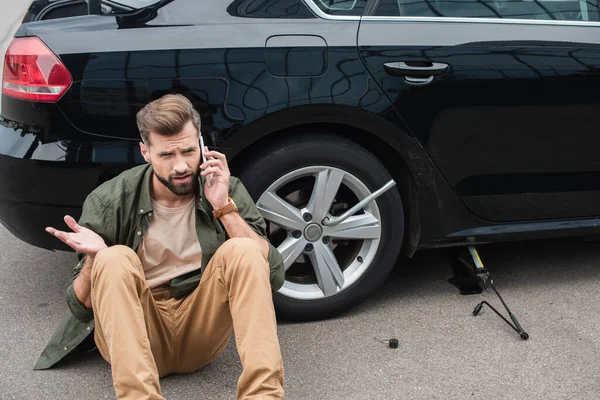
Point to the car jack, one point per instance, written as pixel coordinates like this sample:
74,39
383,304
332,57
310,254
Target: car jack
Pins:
469,274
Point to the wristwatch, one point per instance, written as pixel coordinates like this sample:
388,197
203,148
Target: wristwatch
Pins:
227,209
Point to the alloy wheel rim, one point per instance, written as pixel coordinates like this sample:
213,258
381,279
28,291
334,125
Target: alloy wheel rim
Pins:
325,260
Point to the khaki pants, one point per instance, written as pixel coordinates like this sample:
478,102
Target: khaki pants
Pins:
146,335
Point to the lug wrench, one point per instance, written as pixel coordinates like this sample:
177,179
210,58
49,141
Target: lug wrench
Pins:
333,221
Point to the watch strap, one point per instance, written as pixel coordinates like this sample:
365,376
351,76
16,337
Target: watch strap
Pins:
225,210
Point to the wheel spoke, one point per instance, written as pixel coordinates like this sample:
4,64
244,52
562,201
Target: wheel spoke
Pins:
290,250
362,226
277,210
328,271
327,184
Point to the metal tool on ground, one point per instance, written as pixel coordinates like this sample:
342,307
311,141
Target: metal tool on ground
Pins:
392,342
468,278
489,282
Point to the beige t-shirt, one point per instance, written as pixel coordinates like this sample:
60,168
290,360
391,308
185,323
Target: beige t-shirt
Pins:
170,247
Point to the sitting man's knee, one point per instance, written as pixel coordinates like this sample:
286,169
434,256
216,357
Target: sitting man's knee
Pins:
117,259
240,246
242,249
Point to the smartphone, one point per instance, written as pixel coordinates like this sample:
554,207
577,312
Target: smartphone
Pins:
208,178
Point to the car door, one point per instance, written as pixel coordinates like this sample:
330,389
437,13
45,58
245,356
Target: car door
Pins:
502,94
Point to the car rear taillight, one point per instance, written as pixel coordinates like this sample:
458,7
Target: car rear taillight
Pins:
33,72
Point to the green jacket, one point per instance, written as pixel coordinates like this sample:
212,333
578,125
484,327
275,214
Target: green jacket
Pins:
120,211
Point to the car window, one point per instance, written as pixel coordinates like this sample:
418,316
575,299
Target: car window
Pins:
268,9
561,10
195,11
134,3
236,8
341,7
65,9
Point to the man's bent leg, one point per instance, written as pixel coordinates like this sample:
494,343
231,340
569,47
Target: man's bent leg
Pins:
120,297
235,287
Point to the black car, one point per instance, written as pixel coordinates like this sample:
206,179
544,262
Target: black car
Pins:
474,121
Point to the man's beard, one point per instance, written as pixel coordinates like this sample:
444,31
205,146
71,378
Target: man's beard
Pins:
181,189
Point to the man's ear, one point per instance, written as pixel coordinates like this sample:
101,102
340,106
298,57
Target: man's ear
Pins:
145,152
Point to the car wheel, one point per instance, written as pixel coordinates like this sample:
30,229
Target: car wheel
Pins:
329,269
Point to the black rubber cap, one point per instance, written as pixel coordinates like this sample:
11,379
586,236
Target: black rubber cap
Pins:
394,343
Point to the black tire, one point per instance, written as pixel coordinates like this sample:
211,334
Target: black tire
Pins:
333,151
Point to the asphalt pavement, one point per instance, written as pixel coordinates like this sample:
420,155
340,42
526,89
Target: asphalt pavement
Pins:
444,351
552,287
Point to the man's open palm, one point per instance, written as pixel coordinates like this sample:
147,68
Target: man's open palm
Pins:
81,239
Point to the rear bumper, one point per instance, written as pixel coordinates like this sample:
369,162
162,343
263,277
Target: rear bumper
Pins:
41,181
28,221
36,195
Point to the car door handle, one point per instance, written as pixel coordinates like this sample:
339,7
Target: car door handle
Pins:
415,68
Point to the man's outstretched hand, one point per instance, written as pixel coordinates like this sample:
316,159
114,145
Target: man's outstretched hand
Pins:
81,239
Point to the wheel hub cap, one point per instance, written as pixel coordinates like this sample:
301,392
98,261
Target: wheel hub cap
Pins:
313,232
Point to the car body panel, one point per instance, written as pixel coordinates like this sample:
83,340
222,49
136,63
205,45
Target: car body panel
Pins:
293,72
512,123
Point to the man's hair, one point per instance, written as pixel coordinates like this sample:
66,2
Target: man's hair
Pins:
166,116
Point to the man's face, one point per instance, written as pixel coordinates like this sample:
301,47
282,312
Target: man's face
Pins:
175,159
